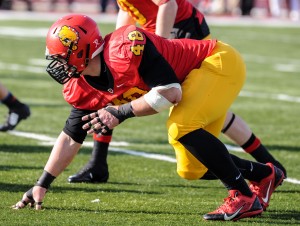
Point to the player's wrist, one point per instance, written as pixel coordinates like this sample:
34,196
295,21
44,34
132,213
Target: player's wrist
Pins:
122,113
45,180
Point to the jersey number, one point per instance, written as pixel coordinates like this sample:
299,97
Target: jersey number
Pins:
137,48
130,95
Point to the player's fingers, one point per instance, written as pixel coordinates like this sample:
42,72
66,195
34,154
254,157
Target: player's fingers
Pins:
95,129
26,199
23,203
87,125
19,205
105,129
99,120
90,116
100,129
95,123
91,124
38,205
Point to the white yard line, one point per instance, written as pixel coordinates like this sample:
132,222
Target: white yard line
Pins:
41,69
20,67
278,96
49,141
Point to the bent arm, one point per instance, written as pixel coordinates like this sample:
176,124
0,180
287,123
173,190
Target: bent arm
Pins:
141,106
124,19
165,17
111,116
62,154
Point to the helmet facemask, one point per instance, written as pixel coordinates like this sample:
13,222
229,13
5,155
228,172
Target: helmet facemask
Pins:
59,69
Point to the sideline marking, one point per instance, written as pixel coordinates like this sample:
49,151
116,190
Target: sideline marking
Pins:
49,141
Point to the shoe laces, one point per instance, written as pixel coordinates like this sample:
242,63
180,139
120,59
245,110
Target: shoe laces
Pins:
227,203
254,187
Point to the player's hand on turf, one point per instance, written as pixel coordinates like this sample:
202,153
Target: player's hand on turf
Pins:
100,121
33,197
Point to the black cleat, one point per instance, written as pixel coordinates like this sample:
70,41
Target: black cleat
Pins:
14,117
280,166
88,176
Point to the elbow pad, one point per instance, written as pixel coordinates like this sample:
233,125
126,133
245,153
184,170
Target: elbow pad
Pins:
156,100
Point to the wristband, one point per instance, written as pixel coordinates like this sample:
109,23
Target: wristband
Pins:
122,113
29,194
45,180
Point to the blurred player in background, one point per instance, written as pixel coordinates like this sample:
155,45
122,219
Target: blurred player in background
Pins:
169,19
54,5
104,4
18,111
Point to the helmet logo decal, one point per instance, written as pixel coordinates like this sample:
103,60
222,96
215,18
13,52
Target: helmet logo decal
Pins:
68,35
96,42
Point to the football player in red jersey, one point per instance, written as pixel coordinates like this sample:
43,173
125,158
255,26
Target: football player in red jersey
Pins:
169,19
18,111
186,76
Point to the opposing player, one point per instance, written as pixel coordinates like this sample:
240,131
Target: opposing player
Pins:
18,111
169,19
186,76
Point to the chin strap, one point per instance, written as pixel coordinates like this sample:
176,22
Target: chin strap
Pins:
87,59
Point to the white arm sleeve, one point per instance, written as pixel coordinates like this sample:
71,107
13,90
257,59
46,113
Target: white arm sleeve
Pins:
156,100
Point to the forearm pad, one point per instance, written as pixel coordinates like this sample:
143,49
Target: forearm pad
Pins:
45,180
124,112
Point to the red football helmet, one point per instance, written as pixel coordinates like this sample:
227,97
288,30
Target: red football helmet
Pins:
71,42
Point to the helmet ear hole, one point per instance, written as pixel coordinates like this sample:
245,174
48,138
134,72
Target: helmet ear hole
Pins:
80,54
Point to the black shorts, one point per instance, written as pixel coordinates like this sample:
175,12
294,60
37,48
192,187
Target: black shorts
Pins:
191,28
73,126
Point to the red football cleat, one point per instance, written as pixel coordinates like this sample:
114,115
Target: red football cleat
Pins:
236,206
266,186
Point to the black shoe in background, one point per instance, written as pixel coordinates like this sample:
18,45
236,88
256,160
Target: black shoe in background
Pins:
15,116
88,176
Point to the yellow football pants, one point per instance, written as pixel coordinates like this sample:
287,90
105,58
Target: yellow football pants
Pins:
207,94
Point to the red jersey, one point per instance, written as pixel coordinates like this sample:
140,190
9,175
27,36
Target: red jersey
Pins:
144,12
122,53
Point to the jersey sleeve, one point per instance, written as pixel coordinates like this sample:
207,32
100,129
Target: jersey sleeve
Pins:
124,53
136,57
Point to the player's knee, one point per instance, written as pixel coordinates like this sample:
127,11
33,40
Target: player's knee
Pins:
188,175
176,130
173,131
